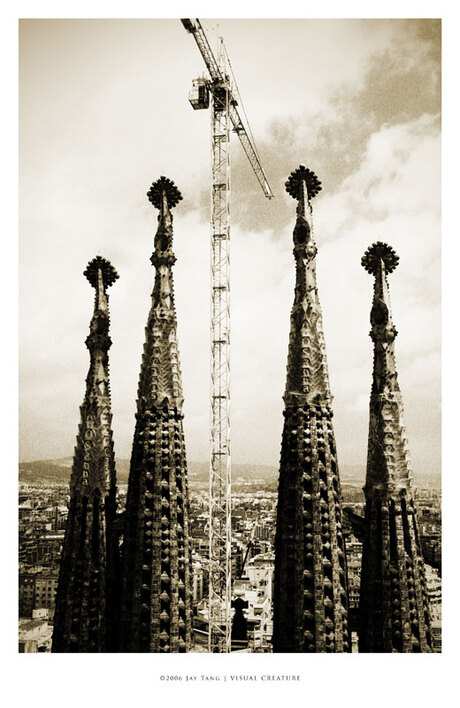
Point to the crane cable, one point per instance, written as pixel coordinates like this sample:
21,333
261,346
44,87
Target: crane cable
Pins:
240,101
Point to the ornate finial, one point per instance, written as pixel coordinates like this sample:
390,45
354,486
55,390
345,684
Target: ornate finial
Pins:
296,178
166,186
377,252
109,274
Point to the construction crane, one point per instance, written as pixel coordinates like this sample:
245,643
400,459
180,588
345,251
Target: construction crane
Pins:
219,91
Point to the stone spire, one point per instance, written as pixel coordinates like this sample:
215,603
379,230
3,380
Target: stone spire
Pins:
85,595
310,593
156,587
394,611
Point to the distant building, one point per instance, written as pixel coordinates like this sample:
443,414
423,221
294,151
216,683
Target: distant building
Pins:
37,589
437,636
434,590
237,558
258,617
260,572
263,532
431,548
198,581
49,548
354,550
38,546
35,634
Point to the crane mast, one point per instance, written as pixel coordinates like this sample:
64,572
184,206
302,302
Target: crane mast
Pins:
220,488
218,93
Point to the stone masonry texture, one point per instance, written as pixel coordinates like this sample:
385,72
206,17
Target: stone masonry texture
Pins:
86,594
156,584
394,611
310,592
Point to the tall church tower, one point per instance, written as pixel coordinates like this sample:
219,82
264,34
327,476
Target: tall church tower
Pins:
156,586
394,611
310,593
86,589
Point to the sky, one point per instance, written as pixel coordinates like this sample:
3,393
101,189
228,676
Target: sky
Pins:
104,112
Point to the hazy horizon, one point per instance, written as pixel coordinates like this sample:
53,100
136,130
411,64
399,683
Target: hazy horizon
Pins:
344,468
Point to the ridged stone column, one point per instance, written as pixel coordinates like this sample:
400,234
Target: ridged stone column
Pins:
310,593
156,587
394,611
86,594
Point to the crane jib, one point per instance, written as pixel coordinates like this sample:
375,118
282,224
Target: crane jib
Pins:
194,27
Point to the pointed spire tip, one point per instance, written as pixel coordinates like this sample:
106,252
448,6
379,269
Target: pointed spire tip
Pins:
377,252
167,186
109,274
296,178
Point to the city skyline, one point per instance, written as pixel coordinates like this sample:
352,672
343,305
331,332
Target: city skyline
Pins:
97,131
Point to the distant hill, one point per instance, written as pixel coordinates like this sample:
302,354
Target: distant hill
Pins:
58,472
45,472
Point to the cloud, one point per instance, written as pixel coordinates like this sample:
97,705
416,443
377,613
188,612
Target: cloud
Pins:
393,197
390,75
358,101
